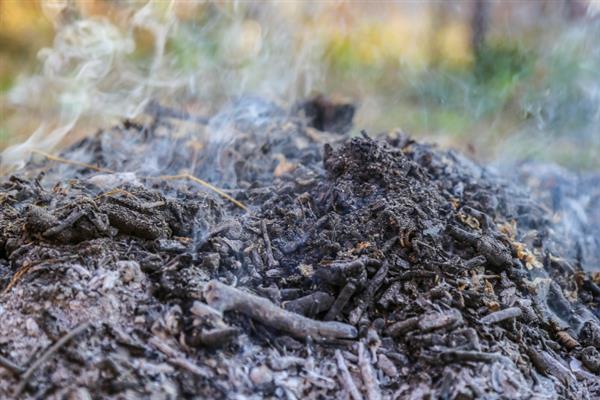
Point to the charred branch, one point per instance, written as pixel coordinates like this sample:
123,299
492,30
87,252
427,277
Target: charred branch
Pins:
227,298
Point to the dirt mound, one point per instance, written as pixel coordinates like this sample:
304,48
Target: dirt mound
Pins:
322,266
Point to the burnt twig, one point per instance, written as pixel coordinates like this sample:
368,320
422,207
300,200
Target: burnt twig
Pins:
401,327
502,315
409,275
71,162
226,298
426,323
550,366
372,287
177,359
206,185
433,321
475,262
339,273
271,262
496,253
216,337
341,301
47,354
346,378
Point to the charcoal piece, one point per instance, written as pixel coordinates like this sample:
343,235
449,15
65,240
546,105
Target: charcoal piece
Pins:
440,320
402,327
589,335
502,315
341,301
328,115
310,305
495,252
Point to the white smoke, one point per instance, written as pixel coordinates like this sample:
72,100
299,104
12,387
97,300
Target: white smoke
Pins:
94,71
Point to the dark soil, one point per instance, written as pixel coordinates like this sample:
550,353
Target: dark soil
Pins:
419,273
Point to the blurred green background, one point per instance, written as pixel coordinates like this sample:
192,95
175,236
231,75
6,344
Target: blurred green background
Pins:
509,80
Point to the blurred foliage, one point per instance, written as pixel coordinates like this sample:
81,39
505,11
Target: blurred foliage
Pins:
533,89
500,64
23,31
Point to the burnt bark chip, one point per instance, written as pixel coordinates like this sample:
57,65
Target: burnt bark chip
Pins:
329,115
502,315
495,252
78,222
134,223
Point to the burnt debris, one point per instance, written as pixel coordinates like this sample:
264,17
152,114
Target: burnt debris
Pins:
357,267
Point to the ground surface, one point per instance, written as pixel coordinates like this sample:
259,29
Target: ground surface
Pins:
420,274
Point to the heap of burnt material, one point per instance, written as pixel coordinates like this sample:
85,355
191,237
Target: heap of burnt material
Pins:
252,255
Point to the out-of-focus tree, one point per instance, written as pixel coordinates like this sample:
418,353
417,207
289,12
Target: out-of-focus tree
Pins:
479,26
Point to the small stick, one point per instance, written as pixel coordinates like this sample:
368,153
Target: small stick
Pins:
369,378
177,359
341,301
217,336
475,262
550,366
401,327
28,266
346,378
47,354
11,366
66,223
115,191
408,275
377,281
271,262
190,367
471,355
226,298
502,315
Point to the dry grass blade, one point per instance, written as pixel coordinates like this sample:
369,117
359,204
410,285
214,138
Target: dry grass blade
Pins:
25,268
206,185
17,276
72,162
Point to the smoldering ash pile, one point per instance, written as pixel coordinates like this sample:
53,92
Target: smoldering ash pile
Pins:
288,261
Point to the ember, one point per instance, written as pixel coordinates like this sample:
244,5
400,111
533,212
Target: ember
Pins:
377,268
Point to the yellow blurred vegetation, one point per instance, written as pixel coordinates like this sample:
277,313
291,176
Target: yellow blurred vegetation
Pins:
408,64
355,35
